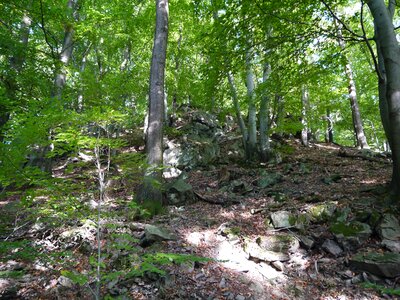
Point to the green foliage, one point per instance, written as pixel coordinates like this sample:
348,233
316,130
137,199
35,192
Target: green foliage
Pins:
12,274
76,278
18,250
381,289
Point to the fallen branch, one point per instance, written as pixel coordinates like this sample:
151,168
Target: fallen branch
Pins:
219,201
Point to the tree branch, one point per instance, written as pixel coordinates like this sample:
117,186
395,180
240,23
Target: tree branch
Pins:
45,31
340,21
371,51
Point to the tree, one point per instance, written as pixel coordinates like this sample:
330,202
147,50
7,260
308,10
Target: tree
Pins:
151,193
388,69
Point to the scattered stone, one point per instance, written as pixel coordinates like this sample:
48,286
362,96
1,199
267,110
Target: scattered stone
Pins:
255,251
282,219
331,247
222,283
393,246
180,192
278,265
240,297
381,264
154,234
65,282
279,243
351,235
322,212
306,242
268,179
389,228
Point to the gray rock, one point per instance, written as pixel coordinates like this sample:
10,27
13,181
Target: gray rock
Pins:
322,212
282,219
389,228
65,282
278,265
154,234
268,179
393,246
279,243
332,248
257,252
351,235
306,242
180,192
240,297
380,264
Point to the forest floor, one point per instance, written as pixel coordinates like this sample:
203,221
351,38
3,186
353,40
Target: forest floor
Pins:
48,248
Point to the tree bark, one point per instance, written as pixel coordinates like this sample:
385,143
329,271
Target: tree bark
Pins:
389,81
239,117
251,148
304,105
151,194
65,55
329,130
264,119
361,140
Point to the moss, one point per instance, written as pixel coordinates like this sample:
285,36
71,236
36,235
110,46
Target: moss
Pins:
346,230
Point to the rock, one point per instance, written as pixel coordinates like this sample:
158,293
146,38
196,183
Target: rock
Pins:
282,219
322,212
267,271
268,179
179,192
154,234
257,252
8,288
393,246
240,297
351,235
332,248
65,282
279,243
381,264
171,173
241,187
306,242
278,265
389,228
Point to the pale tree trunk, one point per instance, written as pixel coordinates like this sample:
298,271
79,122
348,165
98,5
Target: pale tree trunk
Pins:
329,129
239,117
65,55
151,194
175,99
16,63
265,148
251,148
304,123
361,140
389,86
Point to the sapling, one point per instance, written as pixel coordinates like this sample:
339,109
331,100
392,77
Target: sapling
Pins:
102,172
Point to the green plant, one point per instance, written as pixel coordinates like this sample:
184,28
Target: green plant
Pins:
381,289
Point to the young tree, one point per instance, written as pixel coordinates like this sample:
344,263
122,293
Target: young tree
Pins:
151,194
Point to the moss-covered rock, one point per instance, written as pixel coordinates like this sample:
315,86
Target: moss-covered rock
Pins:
381,264
322,212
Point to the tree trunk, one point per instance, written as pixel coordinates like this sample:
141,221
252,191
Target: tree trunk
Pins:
329,131
361,140
264,119
304,105
251,147
239,117
65,55
151,194
389,81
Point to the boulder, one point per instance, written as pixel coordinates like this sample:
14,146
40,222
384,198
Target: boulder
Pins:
254,250
268,179
279,243
322,212
282,219
332,247
180,192
393,246
154,234
351,235
380,264
389,228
